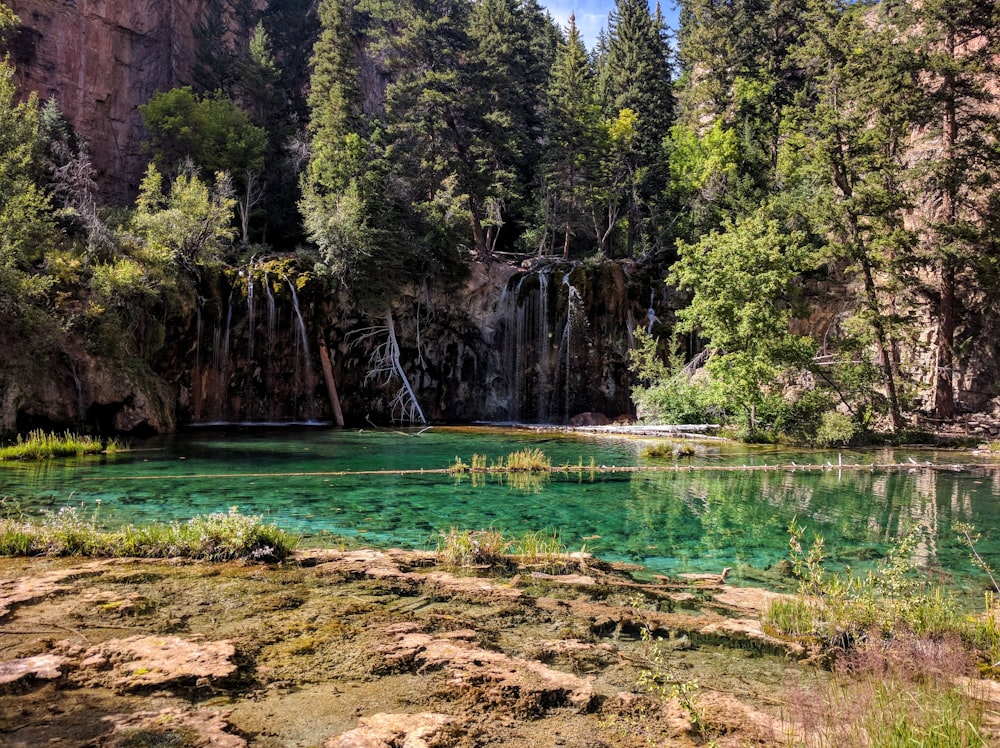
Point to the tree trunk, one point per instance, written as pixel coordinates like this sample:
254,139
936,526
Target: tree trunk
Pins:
331,383
944,392
478,234
883,345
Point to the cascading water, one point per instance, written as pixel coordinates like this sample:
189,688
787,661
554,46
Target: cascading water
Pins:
251,315
566,331
524,309
576,321
306,358
234,377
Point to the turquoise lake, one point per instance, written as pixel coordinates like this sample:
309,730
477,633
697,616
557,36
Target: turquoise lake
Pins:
690,520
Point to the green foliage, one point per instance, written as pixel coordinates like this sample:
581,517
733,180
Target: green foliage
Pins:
575,135
667,393
836,429
188,226
211,132
743,286
8,19
26,228
888,600
214,537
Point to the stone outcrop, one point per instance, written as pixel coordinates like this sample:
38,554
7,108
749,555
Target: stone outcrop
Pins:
100,60
146,661
77,390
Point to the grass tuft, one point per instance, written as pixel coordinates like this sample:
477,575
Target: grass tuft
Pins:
221,536
39,445
472,547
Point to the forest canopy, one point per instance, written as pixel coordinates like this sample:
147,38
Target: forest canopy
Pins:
759,149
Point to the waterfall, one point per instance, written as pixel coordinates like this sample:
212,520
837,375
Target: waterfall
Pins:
196,382
272,317
304,342
528,351
575,317
251,313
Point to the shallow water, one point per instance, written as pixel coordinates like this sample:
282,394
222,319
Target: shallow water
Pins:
687,521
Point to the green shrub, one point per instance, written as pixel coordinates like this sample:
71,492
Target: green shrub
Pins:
836,429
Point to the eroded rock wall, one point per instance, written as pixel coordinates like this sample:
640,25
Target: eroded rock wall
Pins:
100,60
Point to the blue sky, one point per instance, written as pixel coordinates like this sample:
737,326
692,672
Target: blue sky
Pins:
592,15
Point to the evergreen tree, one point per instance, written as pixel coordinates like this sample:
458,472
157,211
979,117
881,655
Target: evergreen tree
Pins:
959,42
635,76
574,136
738,68
508,64
216,66
844,158
338,194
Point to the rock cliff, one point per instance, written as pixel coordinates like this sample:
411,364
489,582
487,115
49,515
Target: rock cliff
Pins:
101,59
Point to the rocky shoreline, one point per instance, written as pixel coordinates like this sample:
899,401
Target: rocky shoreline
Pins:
376,648
389,649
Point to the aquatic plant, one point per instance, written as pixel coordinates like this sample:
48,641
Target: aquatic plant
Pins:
528,460
494,547
668,449
40,445
537,547
471,547
221,536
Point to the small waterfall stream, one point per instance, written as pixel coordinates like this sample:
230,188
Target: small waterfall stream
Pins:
566,329
234,377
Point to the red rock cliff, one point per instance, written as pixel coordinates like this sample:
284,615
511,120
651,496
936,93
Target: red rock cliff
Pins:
101,59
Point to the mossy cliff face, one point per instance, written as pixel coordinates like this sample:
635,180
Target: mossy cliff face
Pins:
537,344
74,390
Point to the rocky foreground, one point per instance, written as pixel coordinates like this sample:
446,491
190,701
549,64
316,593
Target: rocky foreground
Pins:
385,650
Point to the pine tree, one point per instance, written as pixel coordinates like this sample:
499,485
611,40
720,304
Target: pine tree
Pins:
507,60
844,159
635,77
959,40
574,138
339,193
738,69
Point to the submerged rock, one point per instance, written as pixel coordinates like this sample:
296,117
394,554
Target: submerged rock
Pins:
522,685
145,661
191,728
423,730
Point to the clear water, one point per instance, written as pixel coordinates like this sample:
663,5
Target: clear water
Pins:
688,521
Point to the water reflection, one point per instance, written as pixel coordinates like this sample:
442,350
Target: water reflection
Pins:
692,519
